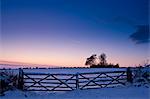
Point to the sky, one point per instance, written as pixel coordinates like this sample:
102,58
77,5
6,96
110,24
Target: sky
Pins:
66,32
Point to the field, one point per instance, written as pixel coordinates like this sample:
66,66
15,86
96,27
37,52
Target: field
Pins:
105,93
123,92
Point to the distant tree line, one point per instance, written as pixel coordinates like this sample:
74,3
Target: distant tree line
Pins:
99,62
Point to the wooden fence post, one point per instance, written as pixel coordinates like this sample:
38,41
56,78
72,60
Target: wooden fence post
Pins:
77,80
20,80
129,75
2,87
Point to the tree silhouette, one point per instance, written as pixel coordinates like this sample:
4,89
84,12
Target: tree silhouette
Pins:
102,59
91,60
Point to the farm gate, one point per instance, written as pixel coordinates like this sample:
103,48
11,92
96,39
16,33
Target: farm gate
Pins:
66,82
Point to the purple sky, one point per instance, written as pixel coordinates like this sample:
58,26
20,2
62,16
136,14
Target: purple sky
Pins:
66,32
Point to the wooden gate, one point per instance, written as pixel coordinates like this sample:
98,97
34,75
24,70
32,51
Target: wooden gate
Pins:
66,82
49,82
102,79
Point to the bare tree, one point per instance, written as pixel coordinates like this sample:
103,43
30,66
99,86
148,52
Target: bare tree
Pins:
102,59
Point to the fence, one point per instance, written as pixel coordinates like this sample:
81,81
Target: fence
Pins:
7,80
141,74
66,82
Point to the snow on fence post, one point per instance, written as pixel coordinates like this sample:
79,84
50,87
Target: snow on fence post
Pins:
20,80
129,75
77,80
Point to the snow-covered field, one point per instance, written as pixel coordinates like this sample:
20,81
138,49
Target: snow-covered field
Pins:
103,93
73,70
66,70
128,92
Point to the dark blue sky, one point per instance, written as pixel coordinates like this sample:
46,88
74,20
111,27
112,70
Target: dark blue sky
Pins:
65,32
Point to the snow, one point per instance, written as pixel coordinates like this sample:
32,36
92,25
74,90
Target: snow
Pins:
64,70
103,93
73,70
129,92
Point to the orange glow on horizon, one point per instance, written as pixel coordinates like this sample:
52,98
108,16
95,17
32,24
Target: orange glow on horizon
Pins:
63,63
70,57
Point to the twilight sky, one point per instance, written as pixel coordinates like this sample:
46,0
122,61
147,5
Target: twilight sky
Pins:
66,32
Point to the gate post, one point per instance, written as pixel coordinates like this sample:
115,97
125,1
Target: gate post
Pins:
20,79
129,75
77,80
2,84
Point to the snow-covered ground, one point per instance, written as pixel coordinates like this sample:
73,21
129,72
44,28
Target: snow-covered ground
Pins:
73,70
65,70
103,93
